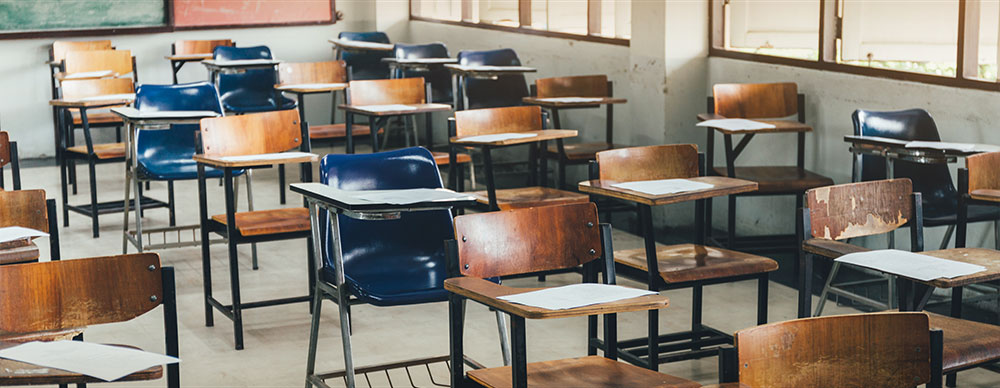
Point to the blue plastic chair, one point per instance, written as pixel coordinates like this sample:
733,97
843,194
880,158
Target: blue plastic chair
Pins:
367,64
438,77
386,262
253,90
505,90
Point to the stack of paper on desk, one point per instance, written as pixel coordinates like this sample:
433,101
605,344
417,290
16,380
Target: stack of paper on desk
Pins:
133,113
571,99
243,62
89,74
427,60
386,108
262,157
939,145
408,196
361,43
910,265
12,233
103,97
735,124
497,137
105,362
575,295
664,186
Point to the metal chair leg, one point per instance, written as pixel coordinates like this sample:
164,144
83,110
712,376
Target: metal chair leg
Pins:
504,340
826,289
93,198
314,335
138,212
472,176
947,236
253,246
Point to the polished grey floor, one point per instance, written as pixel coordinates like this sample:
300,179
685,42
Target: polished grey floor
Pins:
276,337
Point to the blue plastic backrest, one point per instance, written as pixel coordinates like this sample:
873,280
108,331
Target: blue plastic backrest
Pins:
506,90
368,64
230,53
438,77
419,233
253,84
180,138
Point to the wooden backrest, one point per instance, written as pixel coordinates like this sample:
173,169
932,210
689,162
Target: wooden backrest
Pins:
649,163
118,61
251,134
984,171
859,350
24,208
756,101
388,91
527,240
61,47
4,149
312,72
182,47
498,120
576,86
80,88
840,212
66,294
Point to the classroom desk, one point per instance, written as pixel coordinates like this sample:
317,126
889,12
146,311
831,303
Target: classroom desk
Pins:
682,266
341,45
177,61
379,118
895,149
459,73
322,197
424,64
111,152
134,121
15,373
236,66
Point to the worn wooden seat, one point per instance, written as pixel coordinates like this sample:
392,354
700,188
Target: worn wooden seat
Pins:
96,117
966,342
691,262
442,159
338,131
101,151
27,209
591,371
582,151
778,179
270,221
524,197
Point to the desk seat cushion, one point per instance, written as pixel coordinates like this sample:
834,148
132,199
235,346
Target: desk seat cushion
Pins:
581,151
967,343
779,179
689,262
101,151
273,221
590,371
250,101
526,197
442,158
338,131
97,117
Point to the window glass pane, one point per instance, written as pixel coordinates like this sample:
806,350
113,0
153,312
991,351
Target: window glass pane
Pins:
774,27
567,16
437,9
616,18
502,12
989,30
914,36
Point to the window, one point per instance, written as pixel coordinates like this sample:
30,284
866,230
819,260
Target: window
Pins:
606,21
947,42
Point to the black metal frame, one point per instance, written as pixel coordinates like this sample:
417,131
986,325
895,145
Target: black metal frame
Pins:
233,237
15,168
702,340
456,318
760,243
376,123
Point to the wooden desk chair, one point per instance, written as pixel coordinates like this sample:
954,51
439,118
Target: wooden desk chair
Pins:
549,238
858,350
194,47
761,101
578,86
8,155
978,184
91,152
519,119
248,135
79,293
839,212
682,265
329,72
28,209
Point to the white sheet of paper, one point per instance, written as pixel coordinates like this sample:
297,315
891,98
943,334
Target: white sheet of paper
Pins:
497,137
105,362
575,295
361,43
428,60
571,99
910,265
664,186
497,68
386,108
735,124
89,74
408,196
263,157
109,97
173,114
311,86
11,233
939,145
244,62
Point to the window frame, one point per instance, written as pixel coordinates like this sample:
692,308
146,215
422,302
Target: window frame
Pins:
524,13
966,56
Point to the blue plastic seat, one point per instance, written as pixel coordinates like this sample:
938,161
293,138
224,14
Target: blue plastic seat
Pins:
367,64
166,154
506,90
438,77
253,90
394,262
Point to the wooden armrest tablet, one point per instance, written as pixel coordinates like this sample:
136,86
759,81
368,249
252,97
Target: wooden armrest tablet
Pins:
219,161
56,335
487,292
420,108
563,104
542,135
709,116
830,248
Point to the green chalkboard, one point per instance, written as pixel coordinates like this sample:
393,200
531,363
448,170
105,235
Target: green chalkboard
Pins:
47,15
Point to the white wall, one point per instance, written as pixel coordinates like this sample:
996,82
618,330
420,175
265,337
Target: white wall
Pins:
24,109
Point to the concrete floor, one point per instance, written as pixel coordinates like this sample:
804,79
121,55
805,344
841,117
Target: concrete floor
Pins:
276,337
